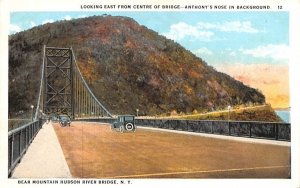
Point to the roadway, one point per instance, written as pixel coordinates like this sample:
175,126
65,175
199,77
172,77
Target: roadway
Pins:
232,109
92,150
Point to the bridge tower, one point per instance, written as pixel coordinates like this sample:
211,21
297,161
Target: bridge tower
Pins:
63,89
58,81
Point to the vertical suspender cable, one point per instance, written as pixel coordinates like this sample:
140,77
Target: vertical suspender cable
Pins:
87,88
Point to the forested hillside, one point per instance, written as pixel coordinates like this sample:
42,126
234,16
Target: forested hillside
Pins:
128,67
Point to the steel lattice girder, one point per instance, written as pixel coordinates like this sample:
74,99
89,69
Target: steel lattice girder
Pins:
58,80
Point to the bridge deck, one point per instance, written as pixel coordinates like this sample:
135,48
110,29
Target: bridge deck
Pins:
94,151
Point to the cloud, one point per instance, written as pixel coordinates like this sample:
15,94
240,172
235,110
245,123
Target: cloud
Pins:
67,17
232,53
81,16
279,52
234,26
32,24
203,51
181,30
203,30
47,21
14,28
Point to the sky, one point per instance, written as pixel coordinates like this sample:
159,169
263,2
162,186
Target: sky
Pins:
252,47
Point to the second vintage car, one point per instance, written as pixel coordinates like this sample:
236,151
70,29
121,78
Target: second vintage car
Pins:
64,120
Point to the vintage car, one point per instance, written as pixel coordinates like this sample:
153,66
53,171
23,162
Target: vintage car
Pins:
124,123
64,120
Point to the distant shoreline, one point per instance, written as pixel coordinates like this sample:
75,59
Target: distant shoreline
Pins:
282,109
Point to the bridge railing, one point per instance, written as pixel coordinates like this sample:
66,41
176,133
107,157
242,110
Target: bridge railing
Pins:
102,120
251,129
19,140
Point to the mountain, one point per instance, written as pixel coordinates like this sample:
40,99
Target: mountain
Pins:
127,66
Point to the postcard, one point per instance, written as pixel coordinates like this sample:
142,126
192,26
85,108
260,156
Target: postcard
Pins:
143,94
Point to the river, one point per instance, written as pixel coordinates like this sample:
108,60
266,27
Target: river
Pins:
284,115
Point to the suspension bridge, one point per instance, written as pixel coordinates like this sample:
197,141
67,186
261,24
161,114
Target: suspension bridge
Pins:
63,89
158,149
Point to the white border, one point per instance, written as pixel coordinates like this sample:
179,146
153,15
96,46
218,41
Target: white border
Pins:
292,6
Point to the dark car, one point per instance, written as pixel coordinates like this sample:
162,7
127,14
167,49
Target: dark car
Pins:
64,120
124,123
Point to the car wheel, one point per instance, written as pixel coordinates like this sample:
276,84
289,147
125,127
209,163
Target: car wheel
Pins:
112,127
121,128
129,127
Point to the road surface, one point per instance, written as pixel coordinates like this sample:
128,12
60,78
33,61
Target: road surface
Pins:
92,150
